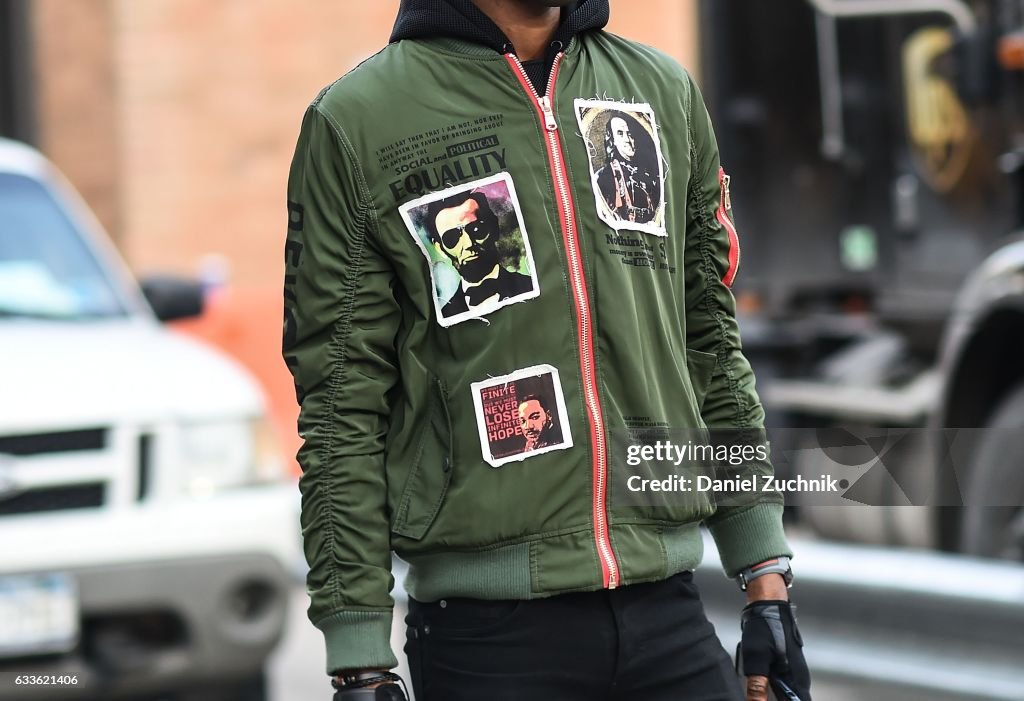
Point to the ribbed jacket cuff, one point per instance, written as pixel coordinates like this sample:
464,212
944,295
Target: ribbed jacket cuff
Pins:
750,537
358,640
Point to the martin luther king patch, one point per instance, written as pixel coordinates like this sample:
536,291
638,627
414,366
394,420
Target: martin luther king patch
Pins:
521,415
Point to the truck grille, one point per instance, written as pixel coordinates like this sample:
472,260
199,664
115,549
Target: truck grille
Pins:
54,442
76,496
28,462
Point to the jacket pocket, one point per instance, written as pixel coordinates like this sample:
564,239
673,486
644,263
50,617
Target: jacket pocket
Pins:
701,367
431,472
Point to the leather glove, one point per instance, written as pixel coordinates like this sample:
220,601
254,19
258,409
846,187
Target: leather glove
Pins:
771,646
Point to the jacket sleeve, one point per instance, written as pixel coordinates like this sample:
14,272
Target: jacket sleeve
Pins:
747,527
341,318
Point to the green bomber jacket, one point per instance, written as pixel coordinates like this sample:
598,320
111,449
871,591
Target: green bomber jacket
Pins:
484,288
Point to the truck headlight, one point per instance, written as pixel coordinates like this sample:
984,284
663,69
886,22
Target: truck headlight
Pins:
220,455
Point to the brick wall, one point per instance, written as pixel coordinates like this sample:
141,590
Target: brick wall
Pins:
76,91
212,94
669,25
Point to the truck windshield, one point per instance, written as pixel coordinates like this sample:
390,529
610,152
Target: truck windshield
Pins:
46,268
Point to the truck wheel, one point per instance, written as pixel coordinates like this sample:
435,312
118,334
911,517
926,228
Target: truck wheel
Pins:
994,496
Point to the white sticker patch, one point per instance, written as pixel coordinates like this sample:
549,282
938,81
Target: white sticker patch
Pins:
521,415
475,243
626,166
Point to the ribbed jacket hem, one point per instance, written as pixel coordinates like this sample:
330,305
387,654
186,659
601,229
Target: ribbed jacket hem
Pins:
501,573
553,565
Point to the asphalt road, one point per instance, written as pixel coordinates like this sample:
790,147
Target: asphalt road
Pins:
297,667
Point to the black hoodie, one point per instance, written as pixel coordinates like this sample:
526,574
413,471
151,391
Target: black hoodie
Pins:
461,19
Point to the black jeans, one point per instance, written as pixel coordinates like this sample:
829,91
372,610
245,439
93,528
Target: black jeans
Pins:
645,642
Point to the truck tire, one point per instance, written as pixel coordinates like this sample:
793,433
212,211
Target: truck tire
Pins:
994,497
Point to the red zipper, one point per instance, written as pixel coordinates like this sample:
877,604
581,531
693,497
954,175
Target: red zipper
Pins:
722,214
556,157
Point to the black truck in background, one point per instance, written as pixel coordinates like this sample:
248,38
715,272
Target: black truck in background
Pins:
876,150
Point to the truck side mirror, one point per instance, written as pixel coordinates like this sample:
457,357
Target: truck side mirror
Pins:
173,298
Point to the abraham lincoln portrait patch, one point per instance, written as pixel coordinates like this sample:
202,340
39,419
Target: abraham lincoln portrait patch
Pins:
475,242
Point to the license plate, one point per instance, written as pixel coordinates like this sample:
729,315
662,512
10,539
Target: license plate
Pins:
38,615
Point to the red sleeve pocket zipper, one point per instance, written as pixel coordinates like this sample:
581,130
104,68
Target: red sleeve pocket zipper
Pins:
722,215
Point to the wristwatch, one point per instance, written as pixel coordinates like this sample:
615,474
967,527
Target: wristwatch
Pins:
777,565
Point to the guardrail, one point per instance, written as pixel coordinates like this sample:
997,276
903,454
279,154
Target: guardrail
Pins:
935,626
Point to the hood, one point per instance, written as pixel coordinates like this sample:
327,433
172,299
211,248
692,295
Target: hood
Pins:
74,375
461,19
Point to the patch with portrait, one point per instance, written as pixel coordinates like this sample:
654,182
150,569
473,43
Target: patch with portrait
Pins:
521,415
475,243
626,167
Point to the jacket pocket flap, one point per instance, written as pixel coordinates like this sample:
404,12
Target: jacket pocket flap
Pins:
422,498
701,367
429,478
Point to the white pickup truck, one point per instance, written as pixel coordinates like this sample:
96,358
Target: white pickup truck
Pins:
148,528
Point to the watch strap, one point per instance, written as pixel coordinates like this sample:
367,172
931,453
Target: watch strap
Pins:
777,565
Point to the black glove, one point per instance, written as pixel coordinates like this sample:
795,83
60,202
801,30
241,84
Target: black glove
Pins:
771,646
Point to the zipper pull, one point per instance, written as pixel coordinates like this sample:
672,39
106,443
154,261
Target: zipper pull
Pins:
549,114
726,195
